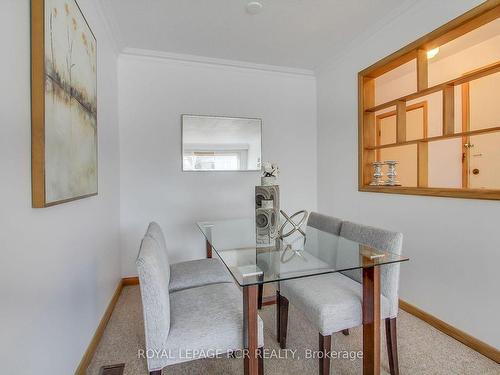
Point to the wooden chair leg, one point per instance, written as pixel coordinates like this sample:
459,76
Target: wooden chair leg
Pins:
278,311
325,346
345,332
283,321
261,361
392,345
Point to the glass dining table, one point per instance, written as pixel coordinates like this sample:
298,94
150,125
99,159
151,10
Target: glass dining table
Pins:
253,265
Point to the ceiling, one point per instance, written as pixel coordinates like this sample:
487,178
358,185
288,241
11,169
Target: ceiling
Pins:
291,33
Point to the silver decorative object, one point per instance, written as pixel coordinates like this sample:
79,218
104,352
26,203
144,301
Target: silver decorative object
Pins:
296,245
377,173
391,173
267,208
295,226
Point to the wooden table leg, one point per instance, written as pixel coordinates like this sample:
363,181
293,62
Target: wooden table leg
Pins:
278,315
371,321
209,250
250,329
261,292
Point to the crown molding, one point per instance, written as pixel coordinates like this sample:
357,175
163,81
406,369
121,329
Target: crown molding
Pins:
184,58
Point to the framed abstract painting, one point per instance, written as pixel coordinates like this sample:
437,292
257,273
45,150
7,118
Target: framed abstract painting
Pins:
63,103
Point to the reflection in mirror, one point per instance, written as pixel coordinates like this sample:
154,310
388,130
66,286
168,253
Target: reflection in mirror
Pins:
221,143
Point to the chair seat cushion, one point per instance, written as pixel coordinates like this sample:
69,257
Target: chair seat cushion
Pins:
331,302
205,320
197,273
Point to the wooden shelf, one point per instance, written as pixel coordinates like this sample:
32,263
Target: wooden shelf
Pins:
490,69
369,132
435,192
437,138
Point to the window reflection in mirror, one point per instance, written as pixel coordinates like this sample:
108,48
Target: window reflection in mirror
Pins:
211,143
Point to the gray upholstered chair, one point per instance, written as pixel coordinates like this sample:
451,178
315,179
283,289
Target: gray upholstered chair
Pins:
325,223
190,274
188,324
333,302
315,220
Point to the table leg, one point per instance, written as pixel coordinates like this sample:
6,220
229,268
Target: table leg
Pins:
209,250
278,315
261,292
371,321
250,329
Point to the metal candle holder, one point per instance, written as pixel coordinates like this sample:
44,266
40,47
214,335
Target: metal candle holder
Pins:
391,173
377,173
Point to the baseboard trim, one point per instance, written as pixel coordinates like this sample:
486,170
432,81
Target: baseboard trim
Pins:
126,281
466,339
89,353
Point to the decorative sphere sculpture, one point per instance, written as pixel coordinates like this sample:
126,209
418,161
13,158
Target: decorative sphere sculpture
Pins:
295,227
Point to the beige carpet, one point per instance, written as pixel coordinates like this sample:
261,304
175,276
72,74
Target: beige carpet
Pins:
422,349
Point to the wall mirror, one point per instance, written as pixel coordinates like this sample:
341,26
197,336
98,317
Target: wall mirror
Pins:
213,143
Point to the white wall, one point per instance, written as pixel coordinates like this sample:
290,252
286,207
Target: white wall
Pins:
453,243
154,93
59,266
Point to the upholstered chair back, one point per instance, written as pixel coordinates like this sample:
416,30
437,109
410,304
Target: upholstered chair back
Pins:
154,285
379,239
155,232
325,223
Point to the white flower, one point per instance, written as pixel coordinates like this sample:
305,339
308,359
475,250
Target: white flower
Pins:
270,169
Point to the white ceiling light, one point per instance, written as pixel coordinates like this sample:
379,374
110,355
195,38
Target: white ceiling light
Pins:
254,7
432,53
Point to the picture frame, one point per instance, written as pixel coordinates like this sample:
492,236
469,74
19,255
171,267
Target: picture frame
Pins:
64,158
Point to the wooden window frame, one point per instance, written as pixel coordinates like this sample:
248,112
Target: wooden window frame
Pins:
367,121
422,149
420,105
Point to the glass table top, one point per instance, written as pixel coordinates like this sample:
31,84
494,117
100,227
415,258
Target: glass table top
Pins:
296,256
